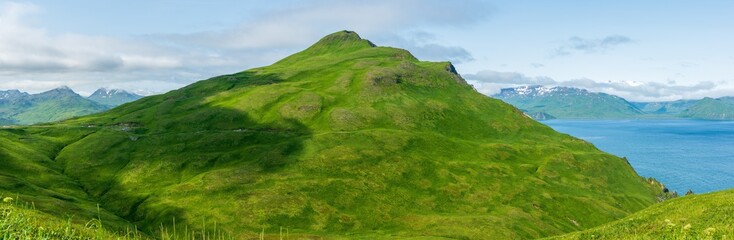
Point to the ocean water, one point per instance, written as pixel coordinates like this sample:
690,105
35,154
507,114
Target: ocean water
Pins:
683,154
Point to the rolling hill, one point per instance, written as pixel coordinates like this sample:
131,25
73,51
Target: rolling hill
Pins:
670,108
567,102
711,109
342,140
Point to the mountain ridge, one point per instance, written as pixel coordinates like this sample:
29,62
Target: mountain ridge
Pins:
567,102
113,97
545,103
60,103
711,109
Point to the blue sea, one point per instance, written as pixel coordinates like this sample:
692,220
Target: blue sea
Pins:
683,154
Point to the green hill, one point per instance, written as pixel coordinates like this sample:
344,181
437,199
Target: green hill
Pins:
707,216
343,139
711,109
670,108
567,102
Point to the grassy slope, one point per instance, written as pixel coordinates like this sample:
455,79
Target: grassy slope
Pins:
346,139
22,222
31,174
707,216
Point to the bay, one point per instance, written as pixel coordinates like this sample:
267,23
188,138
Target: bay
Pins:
681,153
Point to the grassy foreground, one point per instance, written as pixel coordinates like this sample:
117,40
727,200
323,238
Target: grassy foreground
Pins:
21,221
706,216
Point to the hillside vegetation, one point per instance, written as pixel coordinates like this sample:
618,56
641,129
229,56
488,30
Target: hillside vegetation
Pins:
343,139
18,221
707,216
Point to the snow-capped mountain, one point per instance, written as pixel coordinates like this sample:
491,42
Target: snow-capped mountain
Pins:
540,91
12,94
113,97
57,104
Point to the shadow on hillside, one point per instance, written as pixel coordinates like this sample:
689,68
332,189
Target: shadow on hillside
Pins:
181,158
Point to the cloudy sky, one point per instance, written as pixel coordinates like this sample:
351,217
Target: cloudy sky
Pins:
640,50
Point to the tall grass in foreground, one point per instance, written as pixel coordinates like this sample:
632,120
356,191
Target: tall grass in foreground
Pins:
22,221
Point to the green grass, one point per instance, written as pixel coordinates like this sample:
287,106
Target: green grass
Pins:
341,140
706,216
22,221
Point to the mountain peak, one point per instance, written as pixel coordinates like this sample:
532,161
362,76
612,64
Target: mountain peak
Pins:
57,92
112,96
12,94
344,38
342,43
63,90
539,90
107,91
64,87
339,42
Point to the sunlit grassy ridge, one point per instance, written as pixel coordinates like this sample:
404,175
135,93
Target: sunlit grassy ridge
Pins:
706,216
343,139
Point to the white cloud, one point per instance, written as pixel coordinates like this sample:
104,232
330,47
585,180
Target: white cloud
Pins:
585,45
422,45
303,24
34,59
510,78
24,48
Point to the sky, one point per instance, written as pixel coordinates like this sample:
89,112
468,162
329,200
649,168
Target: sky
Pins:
639,50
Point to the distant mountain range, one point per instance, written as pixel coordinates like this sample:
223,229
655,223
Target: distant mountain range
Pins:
21,108
711,108
566,102
543,103
672,107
